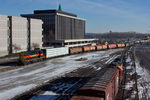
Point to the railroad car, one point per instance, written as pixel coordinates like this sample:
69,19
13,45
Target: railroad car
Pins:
92,48
104,86
36,55
56,52
75,50
117,63
86,48
99,47
112,46
31,56
121,45
105,46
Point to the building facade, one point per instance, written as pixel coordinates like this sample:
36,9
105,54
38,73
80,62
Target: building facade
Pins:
59,25
18,34
4,35
25,34
35,34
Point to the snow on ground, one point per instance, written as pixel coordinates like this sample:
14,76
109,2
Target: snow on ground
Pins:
14,91
111,59
129,85
26,78
130,81
143,82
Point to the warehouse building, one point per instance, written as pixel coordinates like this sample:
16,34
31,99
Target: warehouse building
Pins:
59,25
19,34
4,35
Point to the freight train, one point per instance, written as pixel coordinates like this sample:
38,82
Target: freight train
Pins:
43,54
104,85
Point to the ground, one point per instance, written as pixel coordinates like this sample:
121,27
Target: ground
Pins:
55,78
17,81
136,82
143,70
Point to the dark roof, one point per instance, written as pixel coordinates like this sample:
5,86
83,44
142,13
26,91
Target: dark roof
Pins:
101,79
53,11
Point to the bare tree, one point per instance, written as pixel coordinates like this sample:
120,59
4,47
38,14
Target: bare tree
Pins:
35,45
16,48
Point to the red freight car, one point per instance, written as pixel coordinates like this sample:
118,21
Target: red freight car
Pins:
86,48
117,63
112,46
89,48
104,86
104,46
92,48
99,47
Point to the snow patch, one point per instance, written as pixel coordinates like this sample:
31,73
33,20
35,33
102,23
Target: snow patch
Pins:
143,81
6,95
49,93
128,67
111,59
128,59
129,85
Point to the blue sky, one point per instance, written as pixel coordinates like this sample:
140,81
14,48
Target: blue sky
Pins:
101,15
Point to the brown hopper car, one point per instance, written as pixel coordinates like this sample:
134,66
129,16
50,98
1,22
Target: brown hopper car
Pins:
75,50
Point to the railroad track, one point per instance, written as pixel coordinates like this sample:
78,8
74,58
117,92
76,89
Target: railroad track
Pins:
123,93
65,87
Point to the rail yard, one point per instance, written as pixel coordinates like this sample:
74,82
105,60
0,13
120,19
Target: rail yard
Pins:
47,55
64,77
25,78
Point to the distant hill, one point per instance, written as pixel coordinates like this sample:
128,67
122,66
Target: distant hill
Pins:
117,35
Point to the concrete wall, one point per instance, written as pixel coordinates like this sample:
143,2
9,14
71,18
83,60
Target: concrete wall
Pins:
3,35
19,33
35,33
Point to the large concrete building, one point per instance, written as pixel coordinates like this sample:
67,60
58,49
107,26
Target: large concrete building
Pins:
4,35
59,25
19,34
35,34
25,34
